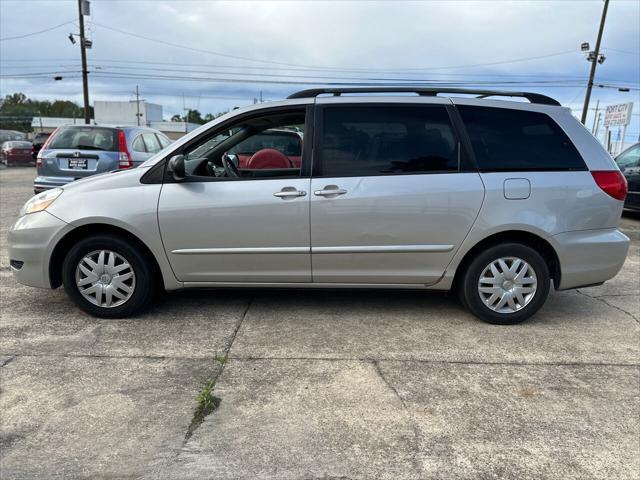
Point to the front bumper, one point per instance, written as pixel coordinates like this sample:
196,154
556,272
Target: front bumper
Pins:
590,257
31,241
40,184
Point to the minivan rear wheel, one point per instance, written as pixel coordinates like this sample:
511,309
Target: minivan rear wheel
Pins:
108,277
506,284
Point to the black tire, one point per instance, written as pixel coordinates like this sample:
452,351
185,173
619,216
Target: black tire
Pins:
470,295
145,281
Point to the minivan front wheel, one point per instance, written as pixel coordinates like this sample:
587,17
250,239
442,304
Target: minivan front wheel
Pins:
107,277
506,284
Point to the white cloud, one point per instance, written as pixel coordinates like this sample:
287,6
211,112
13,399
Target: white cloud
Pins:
380,35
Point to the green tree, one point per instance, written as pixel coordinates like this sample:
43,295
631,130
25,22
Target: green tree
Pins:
17,111
194,116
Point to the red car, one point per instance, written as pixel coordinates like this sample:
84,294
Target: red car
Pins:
16,152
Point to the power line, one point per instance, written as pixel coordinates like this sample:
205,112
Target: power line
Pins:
626,52
35,33
413,82
37,74
280,75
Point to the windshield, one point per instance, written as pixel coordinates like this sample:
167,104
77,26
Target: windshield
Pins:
86,138
19,144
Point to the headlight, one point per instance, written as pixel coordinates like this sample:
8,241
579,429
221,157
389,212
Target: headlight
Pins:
41,201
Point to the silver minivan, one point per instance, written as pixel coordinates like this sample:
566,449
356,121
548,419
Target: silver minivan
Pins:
356,187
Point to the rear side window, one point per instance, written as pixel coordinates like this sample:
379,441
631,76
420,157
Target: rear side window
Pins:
387,140
517,140
82,138
138,144
164,141
151,142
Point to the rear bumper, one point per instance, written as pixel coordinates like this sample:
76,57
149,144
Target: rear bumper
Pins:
31,241
590,257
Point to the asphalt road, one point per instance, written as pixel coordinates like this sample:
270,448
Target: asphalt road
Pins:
318,384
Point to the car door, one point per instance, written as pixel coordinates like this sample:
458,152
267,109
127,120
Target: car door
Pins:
393,195
250,229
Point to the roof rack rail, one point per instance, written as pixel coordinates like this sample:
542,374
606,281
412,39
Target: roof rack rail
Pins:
424,91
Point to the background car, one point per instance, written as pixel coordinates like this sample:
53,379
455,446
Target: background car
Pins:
6,135
39,140
77,151
16,152
629,163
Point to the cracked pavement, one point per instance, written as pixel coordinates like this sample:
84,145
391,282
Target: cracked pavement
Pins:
318,384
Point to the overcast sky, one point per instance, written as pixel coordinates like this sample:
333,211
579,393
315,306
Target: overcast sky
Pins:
535,44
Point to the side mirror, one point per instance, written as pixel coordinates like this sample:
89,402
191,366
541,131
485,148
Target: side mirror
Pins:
176,168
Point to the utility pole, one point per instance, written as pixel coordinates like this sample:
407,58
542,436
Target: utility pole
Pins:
137,105
85,73
594,59
595,117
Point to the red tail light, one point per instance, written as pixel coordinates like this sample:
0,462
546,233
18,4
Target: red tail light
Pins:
124,159
611,182
44,147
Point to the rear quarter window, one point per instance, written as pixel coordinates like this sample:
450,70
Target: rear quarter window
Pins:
82,138
505,139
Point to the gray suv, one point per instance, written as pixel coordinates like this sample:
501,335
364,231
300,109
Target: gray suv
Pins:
494,199
77,151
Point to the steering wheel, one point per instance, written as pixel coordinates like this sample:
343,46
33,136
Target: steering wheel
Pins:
230,168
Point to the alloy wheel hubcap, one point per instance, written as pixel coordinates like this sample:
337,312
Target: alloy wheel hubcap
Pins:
507,285
105,278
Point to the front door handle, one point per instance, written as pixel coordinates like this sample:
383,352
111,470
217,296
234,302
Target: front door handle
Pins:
289,192
330,191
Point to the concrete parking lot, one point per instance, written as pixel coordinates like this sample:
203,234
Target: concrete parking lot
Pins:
318,384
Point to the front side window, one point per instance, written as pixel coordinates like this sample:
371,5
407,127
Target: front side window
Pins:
505,139
260,147
387,140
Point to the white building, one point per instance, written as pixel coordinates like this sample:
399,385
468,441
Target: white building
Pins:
122,114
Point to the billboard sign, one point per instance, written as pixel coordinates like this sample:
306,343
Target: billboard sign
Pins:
618,115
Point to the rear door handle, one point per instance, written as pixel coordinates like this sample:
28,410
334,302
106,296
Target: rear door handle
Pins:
330,191
289,192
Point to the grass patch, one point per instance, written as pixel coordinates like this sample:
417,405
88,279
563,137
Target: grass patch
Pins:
207,403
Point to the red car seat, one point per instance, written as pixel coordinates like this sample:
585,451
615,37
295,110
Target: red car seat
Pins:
268,158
